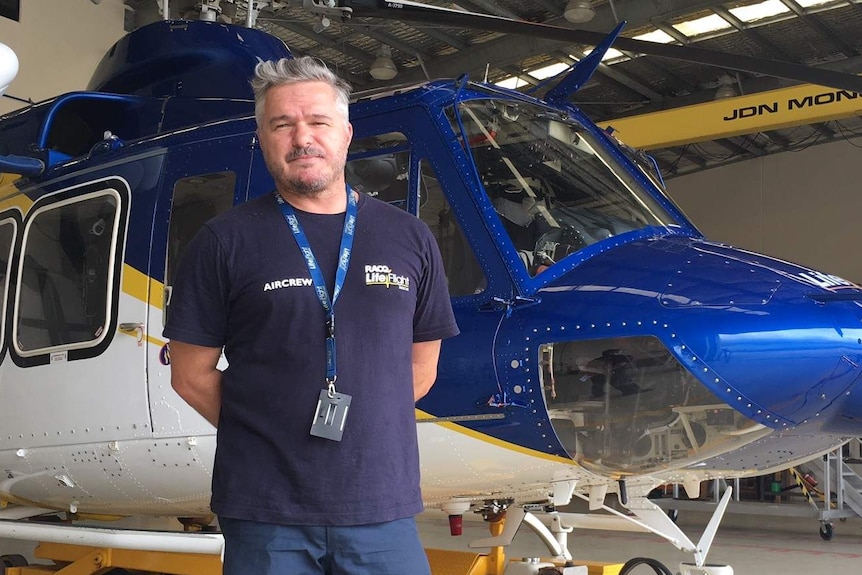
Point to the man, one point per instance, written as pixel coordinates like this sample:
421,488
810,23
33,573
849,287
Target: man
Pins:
266,281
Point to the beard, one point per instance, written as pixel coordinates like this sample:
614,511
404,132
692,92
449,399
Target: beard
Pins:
308,186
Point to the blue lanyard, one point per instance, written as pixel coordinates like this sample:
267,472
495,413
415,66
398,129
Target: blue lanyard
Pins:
317,277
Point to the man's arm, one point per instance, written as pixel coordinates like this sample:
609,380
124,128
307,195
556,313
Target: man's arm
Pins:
195,378
425,357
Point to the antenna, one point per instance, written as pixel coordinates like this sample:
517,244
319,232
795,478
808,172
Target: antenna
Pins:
8,67
487,69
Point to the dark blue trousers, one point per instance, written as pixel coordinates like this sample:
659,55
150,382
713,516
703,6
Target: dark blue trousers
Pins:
391,548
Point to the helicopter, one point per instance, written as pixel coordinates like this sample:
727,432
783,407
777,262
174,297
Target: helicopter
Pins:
606,346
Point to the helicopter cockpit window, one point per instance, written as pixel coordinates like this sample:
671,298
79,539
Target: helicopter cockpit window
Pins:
196,199
464,274
66,274
554,188
379,166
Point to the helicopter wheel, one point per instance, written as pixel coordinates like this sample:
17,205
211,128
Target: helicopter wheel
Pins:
657,566
826,531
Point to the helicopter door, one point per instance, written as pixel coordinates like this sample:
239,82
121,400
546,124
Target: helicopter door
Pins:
201,181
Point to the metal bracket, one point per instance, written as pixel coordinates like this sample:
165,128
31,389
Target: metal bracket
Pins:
328,8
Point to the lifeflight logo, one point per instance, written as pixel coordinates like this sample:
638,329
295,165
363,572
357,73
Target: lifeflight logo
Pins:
381,275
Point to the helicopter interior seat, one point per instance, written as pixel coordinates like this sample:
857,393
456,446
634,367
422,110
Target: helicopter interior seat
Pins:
382,177
566,428
50,309
34,309
463,271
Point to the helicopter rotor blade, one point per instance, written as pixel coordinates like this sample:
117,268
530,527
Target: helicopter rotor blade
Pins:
427,14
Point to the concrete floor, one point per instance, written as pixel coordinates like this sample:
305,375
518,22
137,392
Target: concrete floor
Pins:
752,545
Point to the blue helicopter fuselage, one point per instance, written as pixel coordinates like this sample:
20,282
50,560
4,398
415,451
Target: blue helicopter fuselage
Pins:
597,325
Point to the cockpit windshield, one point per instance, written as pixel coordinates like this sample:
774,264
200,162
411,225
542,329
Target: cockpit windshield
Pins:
554,188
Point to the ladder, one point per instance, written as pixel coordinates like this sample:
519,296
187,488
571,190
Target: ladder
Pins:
839,479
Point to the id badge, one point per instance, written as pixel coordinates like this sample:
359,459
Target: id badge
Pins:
330,416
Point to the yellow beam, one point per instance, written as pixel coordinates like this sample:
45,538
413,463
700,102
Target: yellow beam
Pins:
772,110
83,560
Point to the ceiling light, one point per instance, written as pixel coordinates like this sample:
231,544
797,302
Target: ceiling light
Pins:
383,68
579,11
725,88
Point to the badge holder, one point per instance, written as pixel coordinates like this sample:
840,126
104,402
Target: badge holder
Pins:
331,414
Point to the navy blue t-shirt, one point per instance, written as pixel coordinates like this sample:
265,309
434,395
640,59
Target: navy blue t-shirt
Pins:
244,285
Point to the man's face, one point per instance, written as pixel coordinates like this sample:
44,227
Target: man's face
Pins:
304,138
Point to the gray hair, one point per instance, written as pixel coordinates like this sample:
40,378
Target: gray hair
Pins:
290,70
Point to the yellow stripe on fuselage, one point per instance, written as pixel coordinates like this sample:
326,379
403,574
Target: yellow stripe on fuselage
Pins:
146,289
420,415
10,195
140,286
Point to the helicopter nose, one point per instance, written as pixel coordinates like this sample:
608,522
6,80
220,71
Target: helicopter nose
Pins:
782,340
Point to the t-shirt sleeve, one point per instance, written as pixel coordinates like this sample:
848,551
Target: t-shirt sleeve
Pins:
197,313
433,318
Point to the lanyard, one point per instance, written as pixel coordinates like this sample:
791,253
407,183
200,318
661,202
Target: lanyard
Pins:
317,277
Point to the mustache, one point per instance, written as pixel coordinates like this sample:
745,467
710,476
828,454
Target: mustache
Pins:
306,151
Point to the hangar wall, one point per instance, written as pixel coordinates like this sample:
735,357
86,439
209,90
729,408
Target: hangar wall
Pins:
804,206
58,43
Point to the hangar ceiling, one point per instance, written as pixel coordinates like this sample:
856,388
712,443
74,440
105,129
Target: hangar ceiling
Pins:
819,33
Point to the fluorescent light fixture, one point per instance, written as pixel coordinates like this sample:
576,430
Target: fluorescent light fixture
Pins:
701,26
612,56
579,11
810,3
512,83
383,68
548,71
759,11
658,36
